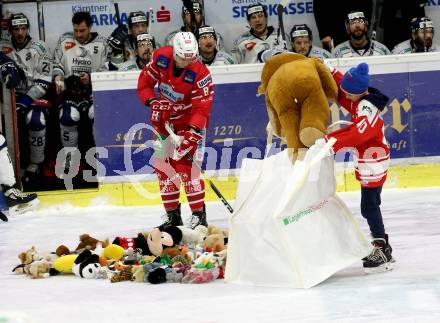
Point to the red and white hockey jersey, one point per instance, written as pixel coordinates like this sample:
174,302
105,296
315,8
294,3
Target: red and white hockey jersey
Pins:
365,136
191,93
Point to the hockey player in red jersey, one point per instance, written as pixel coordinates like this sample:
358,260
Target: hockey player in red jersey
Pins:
365,136
184,100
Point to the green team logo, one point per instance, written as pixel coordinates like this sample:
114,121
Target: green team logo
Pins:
303,213
367,108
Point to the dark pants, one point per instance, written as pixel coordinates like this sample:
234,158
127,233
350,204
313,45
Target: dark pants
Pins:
370,209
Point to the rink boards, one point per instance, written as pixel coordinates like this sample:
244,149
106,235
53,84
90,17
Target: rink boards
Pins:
239,118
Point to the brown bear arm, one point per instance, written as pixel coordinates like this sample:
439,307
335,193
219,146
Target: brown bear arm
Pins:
290,121
328,83
273,118
315,115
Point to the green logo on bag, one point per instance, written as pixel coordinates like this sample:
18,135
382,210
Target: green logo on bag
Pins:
299,215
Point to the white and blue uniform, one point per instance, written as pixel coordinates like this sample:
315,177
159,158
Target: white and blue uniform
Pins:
248,46
265,55
169,39
220,58
374,48
35,61
130,65
73,58
406,47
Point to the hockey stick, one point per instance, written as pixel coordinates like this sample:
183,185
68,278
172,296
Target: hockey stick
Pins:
150,29
374,19
117,15
16,142
280,12
189,6
119,23
151,21
176,140
1,17
41,32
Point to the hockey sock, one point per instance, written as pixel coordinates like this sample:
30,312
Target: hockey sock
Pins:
37,141
169,183
69,135
195,193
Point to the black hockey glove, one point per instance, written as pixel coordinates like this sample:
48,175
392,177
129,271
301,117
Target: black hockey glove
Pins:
11,74
118,37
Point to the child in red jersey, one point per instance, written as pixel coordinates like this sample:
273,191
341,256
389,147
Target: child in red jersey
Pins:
365,136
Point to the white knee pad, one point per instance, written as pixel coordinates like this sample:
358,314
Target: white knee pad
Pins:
91,112
7,176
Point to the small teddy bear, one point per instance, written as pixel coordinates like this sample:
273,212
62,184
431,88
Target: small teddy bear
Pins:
215,239
38,269
88,242
26,258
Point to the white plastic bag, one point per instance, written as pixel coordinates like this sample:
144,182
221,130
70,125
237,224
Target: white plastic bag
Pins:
289,228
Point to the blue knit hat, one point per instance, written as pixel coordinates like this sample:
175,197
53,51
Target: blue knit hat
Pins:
356,80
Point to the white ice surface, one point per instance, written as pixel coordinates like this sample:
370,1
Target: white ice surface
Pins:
409,293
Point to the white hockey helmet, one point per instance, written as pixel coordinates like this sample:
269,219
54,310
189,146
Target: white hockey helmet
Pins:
185,46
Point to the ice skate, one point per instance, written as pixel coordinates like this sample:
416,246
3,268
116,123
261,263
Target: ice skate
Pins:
172,218
198,218
20,202
380,259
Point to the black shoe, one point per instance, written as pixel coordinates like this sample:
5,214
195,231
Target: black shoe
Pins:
380,259
198,218
19,202
172,218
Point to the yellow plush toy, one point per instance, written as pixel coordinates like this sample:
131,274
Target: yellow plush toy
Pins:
64,264
114,252
297,89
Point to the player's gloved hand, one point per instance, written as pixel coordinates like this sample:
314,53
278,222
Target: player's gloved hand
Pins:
321,142
188,146
118,37
160,112
11,74
266,54
23,105
280,42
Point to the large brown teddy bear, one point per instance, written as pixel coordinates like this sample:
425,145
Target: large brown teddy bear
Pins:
297,90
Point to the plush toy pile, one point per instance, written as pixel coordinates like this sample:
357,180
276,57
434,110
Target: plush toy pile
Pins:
173,255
